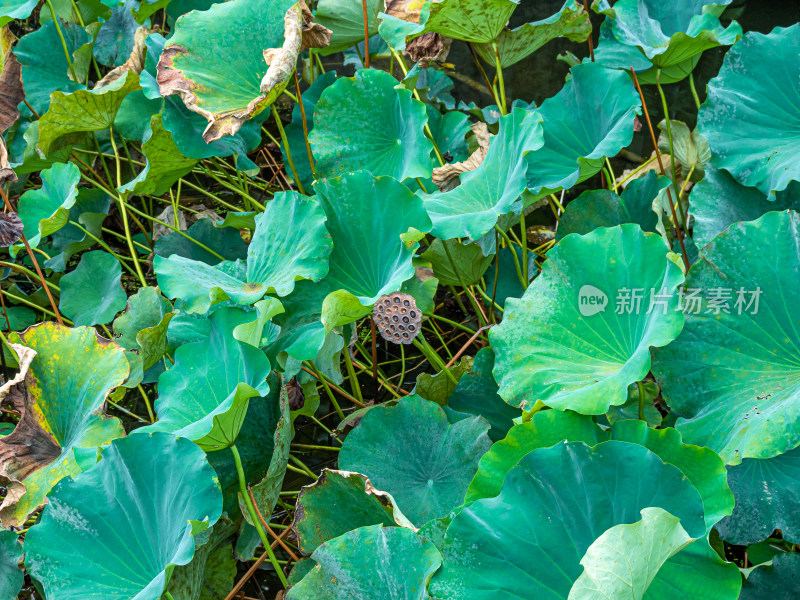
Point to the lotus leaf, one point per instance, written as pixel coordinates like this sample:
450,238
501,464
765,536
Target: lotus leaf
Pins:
61,403
109,531
564,344
10,575
777,581
92,294
414,454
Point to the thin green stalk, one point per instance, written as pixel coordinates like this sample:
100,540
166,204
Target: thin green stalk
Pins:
429,353
402,365
478,313
612,177
441,339
524,237
315,447
63,41
300,464
513,255
694,91
232,188
351,374
287,150
28,272
636,170
214,197
640,387
122,237
322,425
327,388
458,299
105,246
450,322
253,516
36,306
488,299
501,83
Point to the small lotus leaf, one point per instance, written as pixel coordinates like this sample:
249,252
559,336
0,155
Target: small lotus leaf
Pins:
92,294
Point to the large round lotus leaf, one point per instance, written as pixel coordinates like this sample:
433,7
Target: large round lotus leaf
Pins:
513,45
205,49
338,502
92,294
651,35
347,566
345,18
751,117
545,429
392,143
529,540
592,117
734,376
476,394
379,209
624,560
290,242
490,190
767,494
603,208
413,453
578,336
118,529
778,581
44,64
204,396
46,210
11,578
718,201
62,410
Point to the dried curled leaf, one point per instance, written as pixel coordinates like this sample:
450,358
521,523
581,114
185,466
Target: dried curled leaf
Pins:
134,63
429,46
11,228
24,357
6,172
11,91
446,176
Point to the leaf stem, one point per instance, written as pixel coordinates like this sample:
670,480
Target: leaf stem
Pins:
253,516
366,33
63,41
287,150
500,81
351,374
305,126
422,345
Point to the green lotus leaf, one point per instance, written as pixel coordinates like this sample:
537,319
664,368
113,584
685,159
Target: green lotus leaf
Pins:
115,39
44,64
46,210
718,201
346,566
109,531
567,343
468,262
11,578
338,502
603,208
133,117
476,394
67,384
513,45
624,560
662,36
492,189
630,410
509,284
751,117
380,209
257,448
413,453
691,149
512,545
218,243
545,429
266,490
607,104
438,387
212,572
89,211
186,126
345,18
477,21
165,163
343,140
766,493
14,9
142,328
733,377
84,110
777,581
290,242
92,294
197,60
210,410
295,134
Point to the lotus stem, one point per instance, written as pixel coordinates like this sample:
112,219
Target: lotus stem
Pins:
351,375
63,41
253,516
513,255
305,126
500,82
366,33
589,39
694,91
288,150
422,345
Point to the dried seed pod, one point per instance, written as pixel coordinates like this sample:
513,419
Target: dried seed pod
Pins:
397,317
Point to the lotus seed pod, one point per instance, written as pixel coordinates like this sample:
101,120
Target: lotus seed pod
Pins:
397,317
